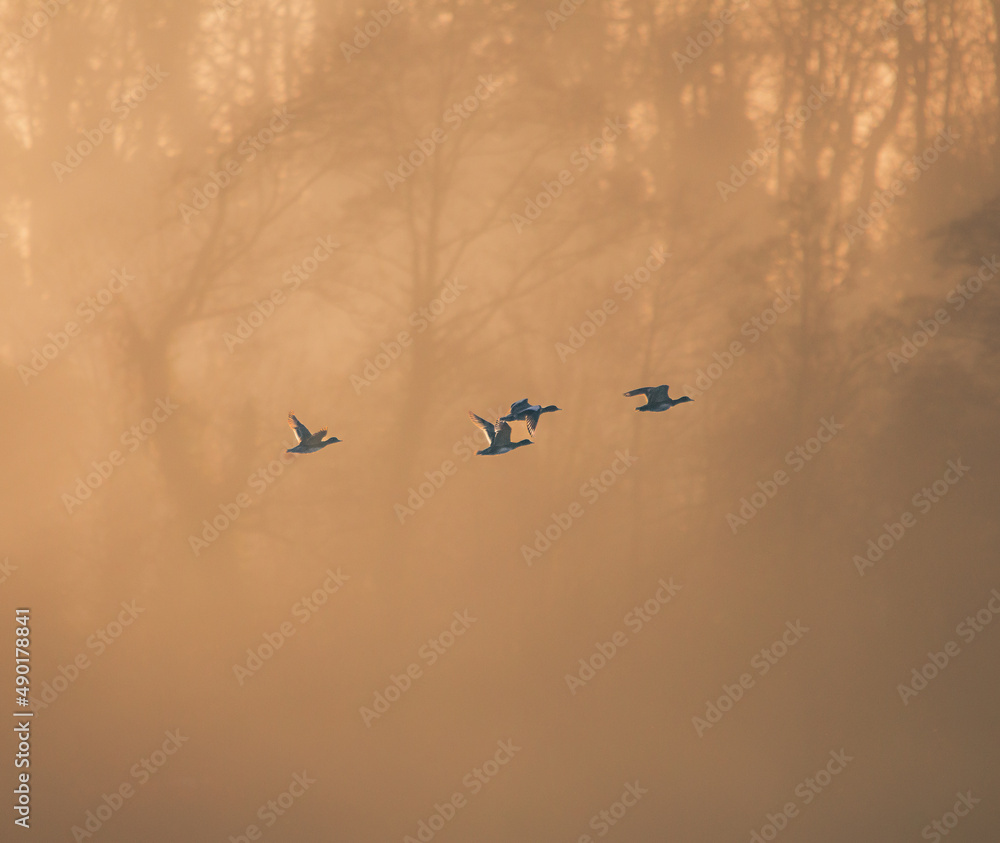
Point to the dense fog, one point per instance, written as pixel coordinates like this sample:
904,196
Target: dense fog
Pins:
763,614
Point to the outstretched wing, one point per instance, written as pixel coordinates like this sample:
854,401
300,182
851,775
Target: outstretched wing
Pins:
501,438
516,411
658,394
317,437
301,431
486,427
518,406
643,390
530,420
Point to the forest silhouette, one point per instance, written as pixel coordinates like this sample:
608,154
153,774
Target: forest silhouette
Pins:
762,614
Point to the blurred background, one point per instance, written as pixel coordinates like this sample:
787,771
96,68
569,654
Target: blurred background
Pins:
381,216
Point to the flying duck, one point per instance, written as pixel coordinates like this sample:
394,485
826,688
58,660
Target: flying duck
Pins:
309,443
499,435
528,413
657,399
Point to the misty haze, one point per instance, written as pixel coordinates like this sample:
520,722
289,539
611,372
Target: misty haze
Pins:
500,422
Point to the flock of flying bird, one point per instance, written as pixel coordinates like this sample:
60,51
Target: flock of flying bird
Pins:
498,432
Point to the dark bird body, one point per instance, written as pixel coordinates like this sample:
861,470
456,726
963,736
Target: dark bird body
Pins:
499,435
528,413
657,399
309,443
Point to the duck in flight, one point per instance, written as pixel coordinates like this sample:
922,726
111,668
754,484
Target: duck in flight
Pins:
499,435
309,443
528,413
657,399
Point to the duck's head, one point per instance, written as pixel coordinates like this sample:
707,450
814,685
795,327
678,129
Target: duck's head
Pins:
682,399
550,409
